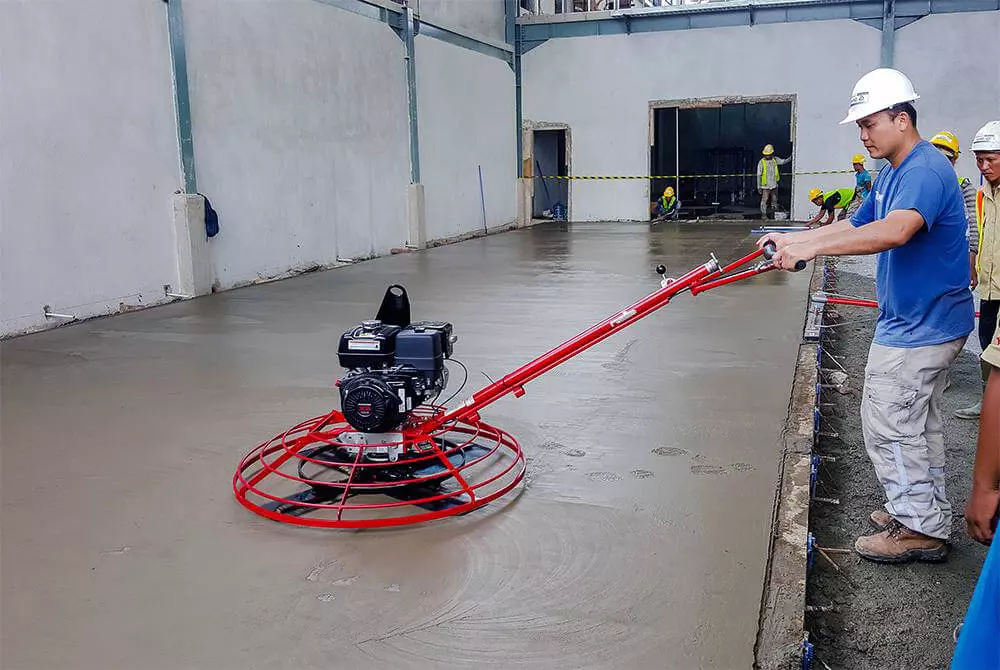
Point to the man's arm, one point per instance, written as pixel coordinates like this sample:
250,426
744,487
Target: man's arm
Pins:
893,231
783,161
760,167
984,502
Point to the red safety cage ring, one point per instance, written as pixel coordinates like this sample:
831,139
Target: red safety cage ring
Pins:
318,474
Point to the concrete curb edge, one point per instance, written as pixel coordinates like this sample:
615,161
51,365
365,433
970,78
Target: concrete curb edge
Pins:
781,625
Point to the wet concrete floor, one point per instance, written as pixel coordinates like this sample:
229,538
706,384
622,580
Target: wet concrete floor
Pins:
638,542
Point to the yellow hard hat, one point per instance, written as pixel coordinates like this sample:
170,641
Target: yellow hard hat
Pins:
768,150
669,191
815,193
946,140
858,159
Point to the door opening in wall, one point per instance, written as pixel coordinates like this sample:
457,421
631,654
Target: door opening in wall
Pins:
709,153
551,196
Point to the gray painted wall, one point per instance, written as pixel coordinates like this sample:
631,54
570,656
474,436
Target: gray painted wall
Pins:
602,87
301,140
466,112
87,158
300,132
955,73
478,17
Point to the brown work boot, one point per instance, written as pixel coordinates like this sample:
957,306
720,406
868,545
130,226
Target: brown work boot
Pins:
899,544
880,519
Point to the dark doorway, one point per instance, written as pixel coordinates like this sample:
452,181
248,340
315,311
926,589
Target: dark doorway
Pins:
698,143
550,161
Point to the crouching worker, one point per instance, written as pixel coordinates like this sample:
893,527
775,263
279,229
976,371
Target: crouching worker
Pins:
830,202
667,207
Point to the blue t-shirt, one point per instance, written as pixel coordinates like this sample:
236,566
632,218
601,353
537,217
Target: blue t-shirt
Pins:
922,286
862,183
979,642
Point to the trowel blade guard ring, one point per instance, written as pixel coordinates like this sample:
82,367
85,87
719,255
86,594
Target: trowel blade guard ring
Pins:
307,476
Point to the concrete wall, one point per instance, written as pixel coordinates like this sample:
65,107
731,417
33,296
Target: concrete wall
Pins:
611,129
956,76
602,84
87,158
465,107
301,142
478,17
300,132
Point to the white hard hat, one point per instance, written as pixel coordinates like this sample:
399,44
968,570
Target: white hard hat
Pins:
879,89
988,137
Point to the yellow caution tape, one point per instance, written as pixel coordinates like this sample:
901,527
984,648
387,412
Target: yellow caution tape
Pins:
690,176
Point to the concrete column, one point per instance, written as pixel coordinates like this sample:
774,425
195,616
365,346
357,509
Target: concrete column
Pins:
416,223
194,261
525,201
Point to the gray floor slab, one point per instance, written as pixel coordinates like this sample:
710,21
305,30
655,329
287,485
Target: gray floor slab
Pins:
639,540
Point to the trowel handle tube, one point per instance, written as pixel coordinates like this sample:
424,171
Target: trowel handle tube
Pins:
735,264
722,281
834,300
857,302
588,338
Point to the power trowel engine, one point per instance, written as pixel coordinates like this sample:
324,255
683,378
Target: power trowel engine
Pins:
393,367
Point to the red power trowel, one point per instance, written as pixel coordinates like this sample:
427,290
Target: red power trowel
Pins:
392,456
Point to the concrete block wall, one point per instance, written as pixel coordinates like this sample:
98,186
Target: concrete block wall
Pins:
88,159
299,115
300,131
602,87
465,105
478,17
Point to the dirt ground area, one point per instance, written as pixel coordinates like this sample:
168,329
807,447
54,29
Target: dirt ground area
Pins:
865,615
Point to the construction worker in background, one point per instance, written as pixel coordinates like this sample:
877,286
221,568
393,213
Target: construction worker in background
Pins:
862,183
667,207
830,201
986,146
768,177
947,143
915,221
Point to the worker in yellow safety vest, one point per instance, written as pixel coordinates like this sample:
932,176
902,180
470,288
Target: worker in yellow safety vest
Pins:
828,202
947,143
667,207
986,146
768,177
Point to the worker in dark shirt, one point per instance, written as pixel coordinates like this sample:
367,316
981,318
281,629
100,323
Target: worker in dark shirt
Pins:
829,202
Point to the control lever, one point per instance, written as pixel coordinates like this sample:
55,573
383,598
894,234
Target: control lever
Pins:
665,281
770,250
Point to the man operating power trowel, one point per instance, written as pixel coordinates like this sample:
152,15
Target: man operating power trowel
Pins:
915,221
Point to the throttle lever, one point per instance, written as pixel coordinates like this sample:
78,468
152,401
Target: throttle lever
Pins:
665,281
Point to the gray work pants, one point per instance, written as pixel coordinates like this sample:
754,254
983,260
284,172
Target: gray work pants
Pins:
765,195
903,431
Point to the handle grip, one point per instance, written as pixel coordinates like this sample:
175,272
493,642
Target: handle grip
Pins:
770,250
